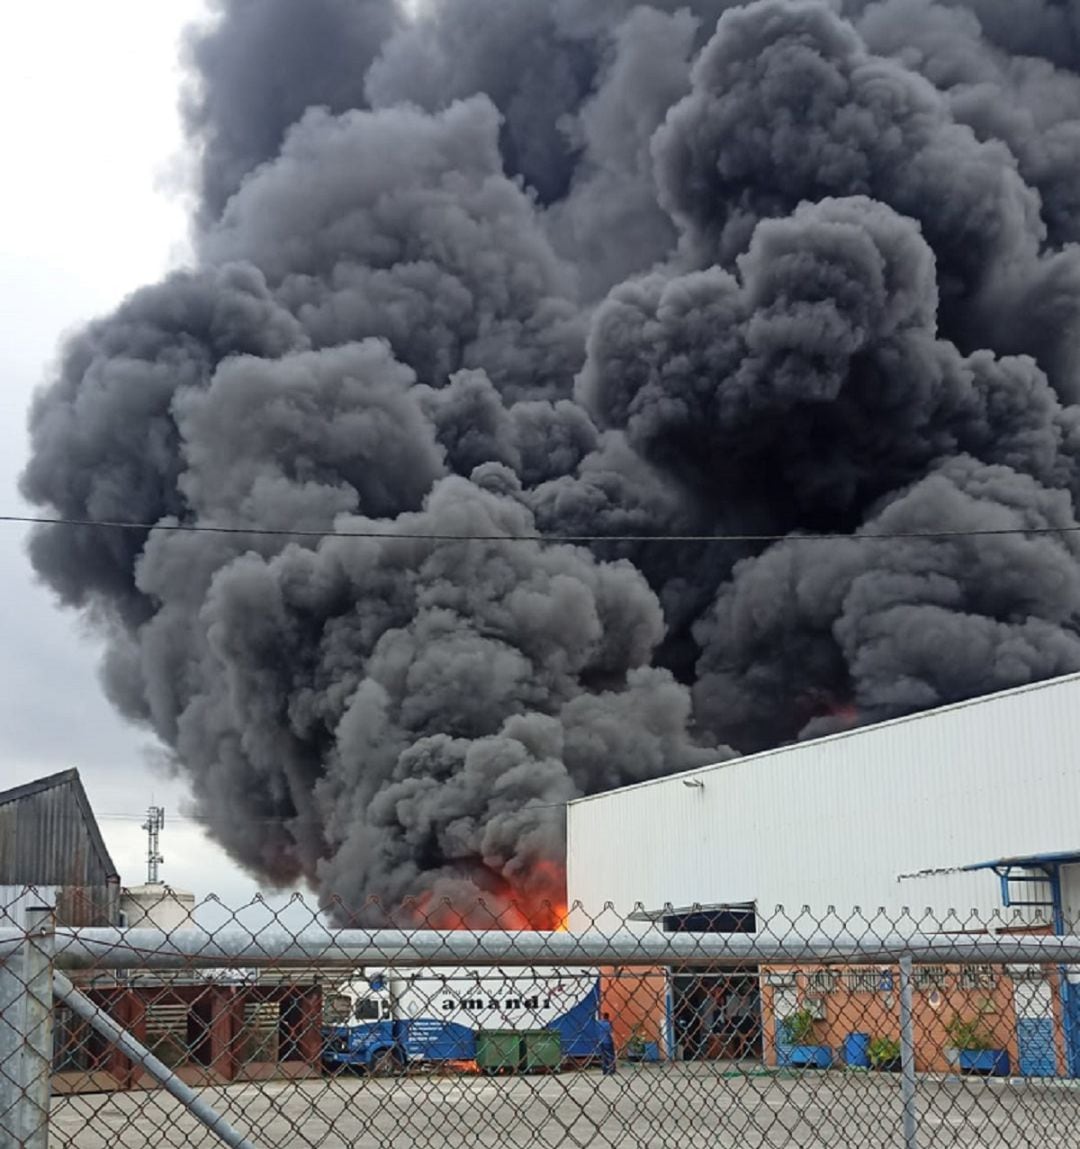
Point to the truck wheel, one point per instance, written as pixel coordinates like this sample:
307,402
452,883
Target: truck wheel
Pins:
386,1063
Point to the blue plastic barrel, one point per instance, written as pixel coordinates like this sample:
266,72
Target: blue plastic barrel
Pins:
857,1050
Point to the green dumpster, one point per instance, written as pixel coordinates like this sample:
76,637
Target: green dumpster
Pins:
543,1051
498,1051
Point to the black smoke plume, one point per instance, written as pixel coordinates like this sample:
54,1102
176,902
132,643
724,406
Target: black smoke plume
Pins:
502,267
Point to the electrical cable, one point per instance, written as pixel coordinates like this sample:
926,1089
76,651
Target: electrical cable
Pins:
536,537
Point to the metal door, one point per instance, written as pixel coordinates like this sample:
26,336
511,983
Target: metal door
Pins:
1033,997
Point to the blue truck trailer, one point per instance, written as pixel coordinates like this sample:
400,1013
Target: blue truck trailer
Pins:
387,1020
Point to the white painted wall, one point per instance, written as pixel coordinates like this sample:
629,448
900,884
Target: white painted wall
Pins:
847,821
15,899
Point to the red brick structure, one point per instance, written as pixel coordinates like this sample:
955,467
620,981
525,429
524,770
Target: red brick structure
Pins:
866,999
211,1040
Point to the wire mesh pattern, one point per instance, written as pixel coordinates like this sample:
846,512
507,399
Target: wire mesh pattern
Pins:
261,1027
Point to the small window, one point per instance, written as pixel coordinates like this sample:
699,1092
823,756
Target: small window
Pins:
861,980
336,1010
977,977
366,1009
929,977
821,981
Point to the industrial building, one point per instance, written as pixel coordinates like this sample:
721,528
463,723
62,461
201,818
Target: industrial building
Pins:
965,818
52,851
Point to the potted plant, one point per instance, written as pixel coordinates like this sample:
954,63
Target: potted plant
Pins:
797,1032
885,1054
975,1052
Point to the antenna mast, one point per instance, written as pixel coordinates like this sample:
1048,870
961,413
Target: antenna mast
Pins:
155,820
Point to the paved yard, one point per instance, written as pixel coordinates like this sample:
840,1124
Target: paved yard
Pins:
670,1106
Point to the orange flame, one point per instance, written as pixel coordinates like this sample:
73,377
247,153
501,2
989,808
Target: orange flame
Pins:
539,904
451,1067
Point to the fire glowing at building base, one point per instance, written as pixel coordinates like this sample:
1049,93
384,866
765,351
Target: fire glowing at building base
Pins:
538,905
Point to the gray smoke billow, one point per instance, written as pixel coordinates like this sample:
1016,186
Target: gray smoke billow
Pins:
508,267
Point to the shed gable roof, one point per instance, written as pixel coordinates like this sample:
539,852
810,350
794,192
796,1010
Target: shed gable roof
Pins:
70,780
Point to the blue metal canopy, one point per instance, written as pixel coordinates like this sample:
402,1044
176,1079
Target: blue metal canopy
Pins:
1029,861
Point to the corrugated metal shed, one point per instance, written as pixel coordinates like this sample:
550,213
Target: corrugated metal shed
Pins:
49,838
855,819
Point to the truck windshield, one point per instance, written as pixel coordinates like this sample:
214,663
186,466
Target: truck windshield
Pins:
366,1010
336,1010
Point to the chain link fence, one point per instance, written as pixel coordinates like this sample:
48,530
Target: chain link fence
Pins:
262,1027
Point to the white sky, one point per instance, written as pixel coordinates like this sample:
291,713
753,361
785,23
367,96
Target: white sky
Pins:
91,134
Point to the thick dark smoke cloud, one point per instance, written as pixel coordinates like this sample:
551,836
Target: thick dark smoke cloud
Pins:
785,268
260,65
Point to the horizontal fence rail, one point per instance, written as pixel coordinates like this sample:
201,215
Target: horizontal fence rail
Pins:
119,949
203,1026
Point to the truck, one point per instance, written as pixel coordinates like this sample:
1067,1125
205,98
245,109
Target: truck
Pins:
384,1021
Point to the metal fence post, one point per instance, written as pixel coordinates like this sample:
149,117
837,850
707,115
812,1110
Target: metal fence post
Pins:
158,1070
26,1011
907,1053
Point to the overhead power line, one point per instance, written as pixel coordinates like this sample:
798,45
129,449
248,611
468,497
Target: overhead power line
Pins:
536,537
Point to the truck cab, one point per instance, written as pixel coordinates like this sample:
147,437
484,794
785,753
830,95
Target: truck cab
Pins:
360,1032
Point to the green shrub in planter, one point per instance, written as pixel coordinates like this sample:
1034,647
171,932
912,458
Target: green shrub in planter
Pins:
885,1053
975,1051
967,1035
799,1027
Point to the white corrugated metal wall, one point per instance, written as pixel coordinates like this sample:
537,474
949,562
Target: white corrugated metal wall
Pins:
1070,892
848,820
